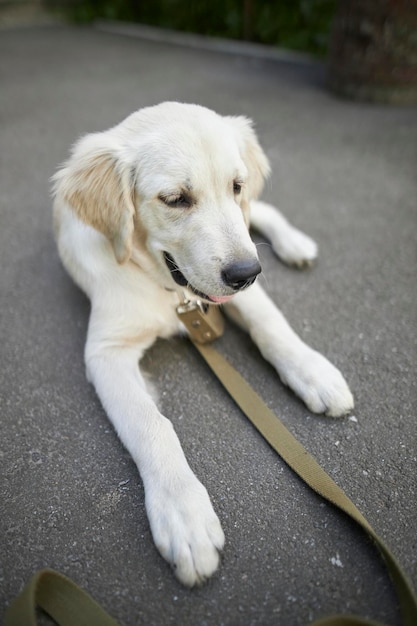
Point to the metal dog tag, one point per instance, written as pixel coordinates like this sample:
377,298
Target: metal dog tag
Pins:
203,322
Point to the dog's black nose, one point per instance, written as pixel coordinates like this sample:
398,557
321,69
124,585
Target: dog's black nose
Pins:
241,274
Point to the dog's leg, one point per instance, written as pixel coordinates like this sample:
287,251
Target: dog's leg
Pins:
289,243
184,525
308,373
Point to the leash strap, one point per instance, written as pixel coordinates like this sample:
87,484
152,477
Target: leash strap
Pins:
69,605
307,468
60,598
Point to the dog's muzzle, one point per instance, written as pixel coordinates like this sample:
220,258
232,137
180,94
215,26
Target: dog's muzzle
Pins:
237,276
241,274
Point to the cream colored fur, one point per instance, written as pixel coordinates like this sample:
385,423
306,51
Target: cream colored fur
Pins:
180,179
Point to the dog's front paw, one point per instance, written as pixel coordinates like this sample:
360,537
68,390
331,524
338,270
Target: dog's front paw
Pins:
319,383
294,247
185,528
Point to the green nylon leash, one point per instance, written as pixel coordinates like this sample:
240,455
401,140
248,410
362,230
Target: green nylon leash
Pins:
69,605
307,468
60,598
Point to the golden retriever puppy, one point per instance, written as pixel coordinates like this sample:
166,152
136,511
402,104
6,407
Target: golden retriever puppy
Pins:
157,207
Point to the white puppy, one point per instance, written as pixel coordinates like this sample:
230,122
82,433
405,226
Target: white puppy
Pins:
153,208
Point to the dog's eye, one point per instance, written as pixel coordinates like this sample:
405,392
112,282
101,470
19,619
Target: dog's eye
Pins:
237,187
177,202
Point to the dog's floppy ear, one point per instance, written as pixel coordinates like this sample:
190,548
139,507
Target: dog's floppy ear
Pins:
100,188
252,154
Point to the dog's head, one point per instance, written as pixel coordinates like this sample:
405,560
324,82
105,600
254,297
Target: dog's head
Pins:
173,182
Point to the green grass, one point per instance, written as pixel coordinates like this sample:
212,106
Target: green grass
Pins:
296,24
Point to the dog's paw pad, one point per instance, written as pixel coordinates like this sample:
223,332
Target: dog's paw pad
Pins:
295,248
319,384
187,532
333,398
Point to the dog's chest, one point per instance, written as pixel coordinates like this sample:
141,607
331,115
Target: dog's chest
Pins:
156,311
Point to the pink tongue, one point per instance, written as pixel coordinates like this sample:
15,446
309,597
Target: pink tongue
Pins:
220,299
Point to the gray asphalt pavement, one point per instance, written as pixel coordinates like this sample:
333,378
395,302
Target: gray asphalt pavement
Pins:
71,498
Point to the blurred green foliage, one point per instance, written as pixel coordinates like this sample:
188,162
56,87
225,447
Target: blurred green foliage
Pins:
296,24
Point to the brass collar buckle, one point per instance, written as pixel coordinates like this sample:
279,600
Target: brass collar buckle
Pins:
203,322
